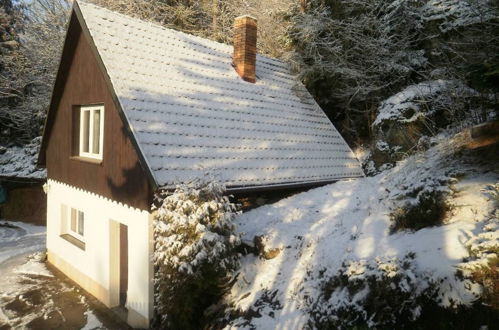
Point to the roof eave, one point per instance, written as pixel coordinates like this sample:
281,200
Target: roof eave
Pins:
21,179
285,185
243,189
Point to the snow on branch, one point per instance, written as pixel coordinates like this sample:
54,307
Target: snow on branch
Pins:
194,250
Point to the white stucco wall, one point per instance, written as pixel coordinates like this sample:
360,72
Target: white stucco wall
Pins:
95,261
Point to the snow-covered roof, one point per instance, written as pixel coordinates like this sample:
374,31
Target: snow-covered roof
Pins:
20,162
191,113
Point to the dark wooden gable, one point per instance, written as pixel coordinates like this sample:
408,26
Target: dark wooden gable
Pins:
81,80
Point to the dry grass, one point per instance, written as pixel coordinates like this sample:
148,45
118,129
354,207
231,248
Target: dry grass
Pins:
488,277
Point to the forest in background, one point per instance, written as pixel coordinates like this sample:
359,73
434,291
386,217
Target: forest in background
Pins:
389,74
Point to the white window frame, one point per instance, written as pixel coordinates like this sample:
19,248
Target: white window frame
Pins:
67,233
91,109
72,232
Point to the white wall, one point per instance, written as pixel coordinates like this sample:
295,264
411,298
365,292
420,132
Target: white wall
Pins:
94,261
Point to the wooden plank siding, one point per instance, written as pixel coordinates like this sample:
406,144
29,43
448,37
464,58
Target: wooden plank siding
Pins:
120,175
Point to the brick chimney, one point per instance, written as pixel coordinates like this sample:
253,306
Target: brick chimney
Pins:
244,58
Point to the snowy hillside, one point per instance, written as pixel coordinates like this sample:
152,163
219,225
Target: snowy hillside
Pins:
342,232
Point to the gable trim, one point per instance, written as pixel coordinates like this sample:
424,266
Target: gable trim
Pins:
76,13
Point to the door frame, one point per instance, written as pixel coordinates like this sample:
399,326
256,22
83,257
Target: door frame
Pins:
117,246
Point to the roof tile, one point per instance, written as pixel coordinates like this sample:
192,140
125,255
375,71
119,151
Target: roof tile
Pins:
191,113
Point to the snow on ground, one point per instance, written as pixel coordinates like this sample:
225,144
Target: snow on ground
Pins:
410,104
396,106
348,224
34,266
17,238
92,322
32,296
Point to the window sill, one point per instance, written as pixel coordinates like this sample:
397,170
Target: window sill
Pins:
87,160
73,240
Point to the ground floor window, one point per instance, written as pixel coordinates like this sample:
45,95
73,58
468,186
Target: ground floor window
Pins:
73,226
77,222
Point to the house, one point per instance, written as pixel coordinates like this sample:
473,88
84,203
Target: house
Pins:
136,106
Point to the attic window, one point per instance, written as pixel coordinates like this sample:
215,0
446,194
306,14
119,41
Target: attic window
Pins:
91,131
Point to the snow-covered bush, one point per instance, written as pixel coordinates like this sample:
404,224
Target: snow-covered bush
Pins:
391,292
429,209
422,196
195,256
493,191
379,294
483,263
488,276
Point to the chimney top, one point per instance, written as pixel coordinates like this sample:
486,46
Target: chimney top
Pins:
247,16
244,57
